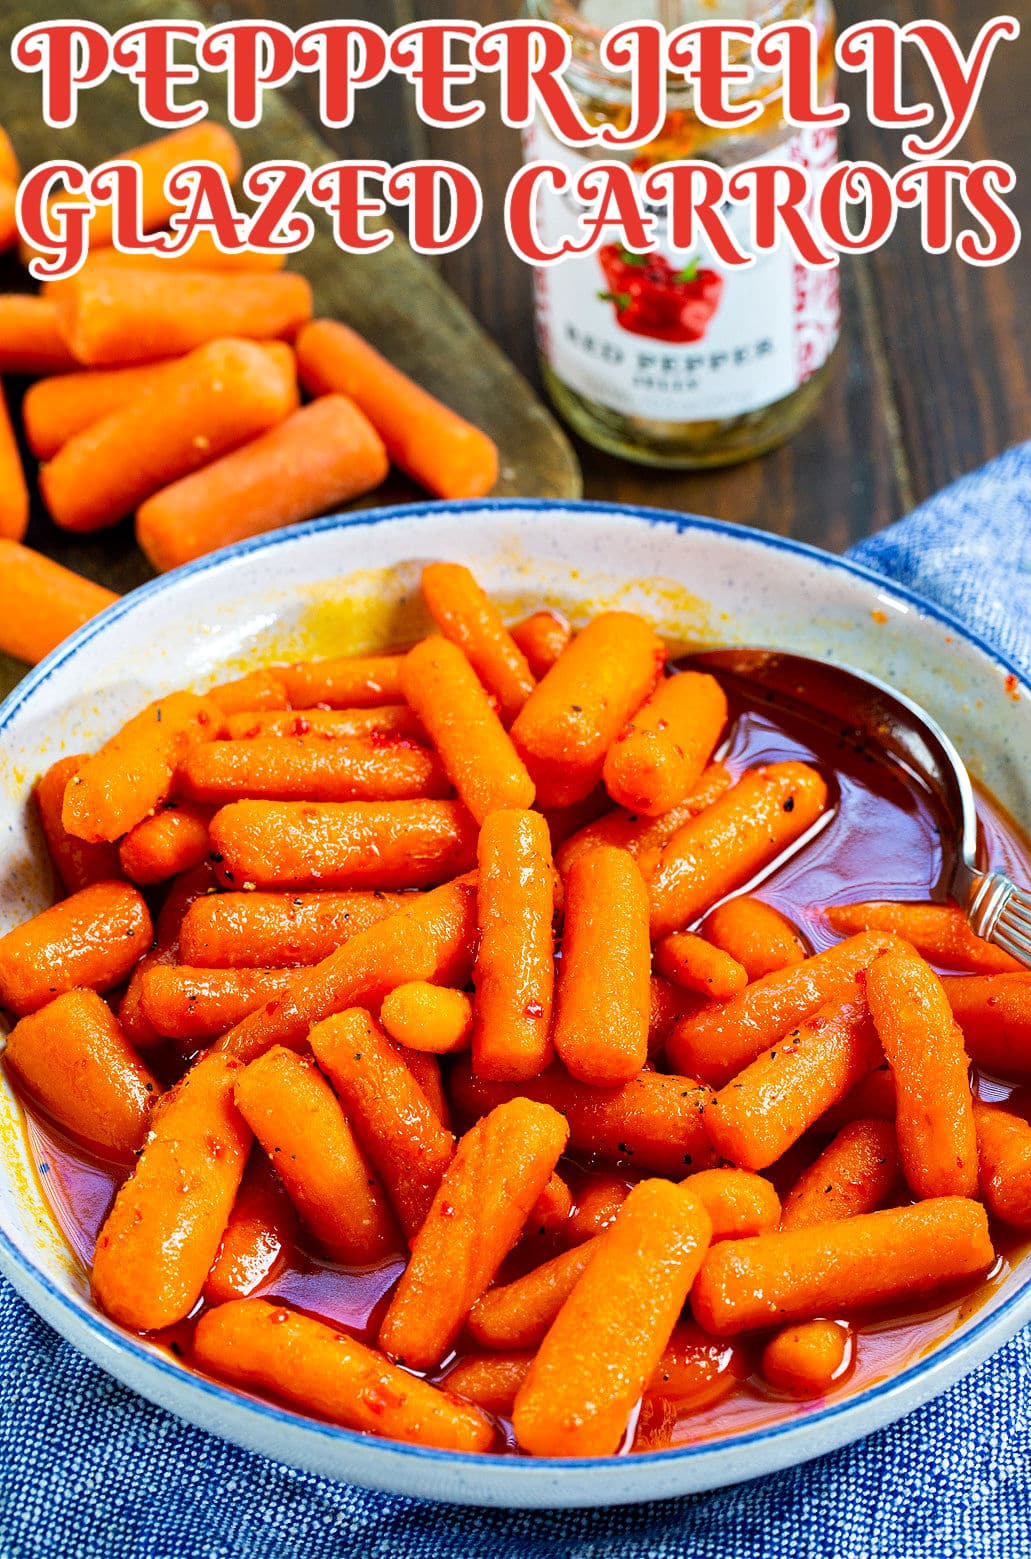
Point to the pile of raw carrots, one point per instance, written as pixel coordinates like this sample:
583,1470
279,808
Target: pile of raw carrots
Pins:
361,871
169,389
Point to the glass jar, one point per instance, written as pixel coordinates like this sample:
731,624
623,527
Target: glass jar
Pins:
673,360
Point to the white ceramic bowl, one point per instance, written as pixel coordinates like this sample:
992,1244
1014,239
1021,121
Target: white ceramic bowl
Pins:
351,583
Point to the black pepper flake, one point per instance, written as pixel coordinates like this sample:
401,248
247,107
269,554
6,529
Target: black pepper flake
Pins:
688,1160
789,805
174,1347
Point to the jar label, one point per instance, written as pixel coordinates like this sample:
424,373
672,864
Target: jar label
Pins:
676,337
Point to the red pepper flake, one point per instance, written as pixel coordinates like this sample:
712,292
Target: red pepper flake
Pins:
1013,688
446,1210
533,1009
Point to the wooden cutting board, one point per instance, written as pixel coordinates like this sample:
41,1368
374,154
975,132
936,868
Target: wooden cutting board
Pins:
393,298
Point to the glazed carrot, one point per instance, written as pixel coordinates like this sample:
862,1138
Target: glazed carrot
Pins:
428,1017
500,1168
390,1114
934,1116
172,840
872,1099
808,1360
425,1068
644,836
113,318
566,822
164,950
132,773
596,1207
741,834
476,750
30,340
517,1315
1004,1156
260,1236
91,939
856,1173
489,1380
758,936
668,1003
994,1012
320,1370
653,1123
349,844
361,682
43,602
74,1061
203,254
215,398
9,168
258,690
800,1274
390,722
660,754
696,965
723,1038
14,490
319,458
276,930
76,863
603,997
694,1371
163,1232
180,1002
292,1111
939,932
306,768
552,1209
542,637
515,960
572,718
467,617
739,1203
433,444
610,1334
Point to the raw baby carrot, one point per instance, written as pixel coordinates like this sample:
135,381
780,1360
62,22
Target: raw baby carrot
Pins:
203,254
757,935
476,750
163,1232
934,1117
994,1012
500,1168
258,690
609,1336
321,1370
644,836
215,398
597,1204
180,1002
764,1109
428,1017
14,490
856,1173
1004,1155
571,719
515,960
696,965
8,215
30,339
807,1360
306,768
542,637
518,1314
939,932
348,844
76,863
467,616
489,1380
390,722
132,773
739,1203
74,1061
164,950
742,833
260,1236
91,939
603,997
801,1274
660,754
276,930
361,682
390,1114
292,1111
172,840
43,602
433,444
9,168
322,456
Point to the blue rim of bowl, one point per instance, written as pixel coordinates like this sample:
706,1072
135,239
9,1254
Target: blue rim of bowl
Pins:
150,1356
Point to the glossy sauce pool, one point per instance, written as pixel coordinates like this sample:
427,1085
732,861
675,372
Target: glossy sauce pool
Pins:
880,842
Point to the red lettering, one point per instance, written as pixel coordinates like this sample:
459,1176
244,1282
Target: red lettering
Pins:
614,194
981,191
793,48
427,188
532,58
278,227
777,195
255,56
58,227
72,57
145,52
521,212
876,48
694,193
203,191
857,183
639,50
700,52
959,80
347,56
422,53
339,188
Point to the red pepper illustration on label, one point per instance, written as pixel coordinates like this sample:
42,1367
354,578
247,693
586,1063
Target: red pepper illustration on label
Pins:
652,299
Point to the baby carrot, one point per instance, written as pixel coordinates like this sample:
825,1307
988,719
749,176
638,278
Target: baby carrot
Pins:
571,719
164,950
132,773
199,1004
609,1336
292,1111
391,722
433,444
9,168
320,1370
741,834
552,1209
872,1099
758,936
30,339
939,932
603,997
1004,1156
489,1380
518,1314
215,398
306,768
739,1203
856,1173
277,930
500,1168
203,254
361,682
661,752
467,616
8,215
515,960
389,1112
668,1003
764,1109
425,1068
800,1274
542,637
349,844
319,458
696,965
428,1017
597,1204
172,840
258,690
14,490
260,1236
808,1360
43,602
163,1232
994,1012
923,1043
76,863
92,939
644,836
74,1061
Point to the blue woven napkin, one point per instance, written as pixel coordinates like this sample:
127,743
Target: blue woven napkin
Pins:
90,1471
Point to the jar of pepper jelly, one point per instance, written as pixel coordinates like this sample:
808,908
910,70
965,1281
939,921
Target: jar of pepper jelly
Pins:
670,359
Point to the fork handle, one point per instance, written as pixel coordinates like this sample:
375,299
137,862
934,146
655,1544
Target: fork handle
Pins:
1000,913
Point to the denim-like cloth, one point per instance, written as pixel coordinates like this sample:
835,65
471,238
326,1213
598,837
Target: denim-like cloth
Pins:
90,1471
